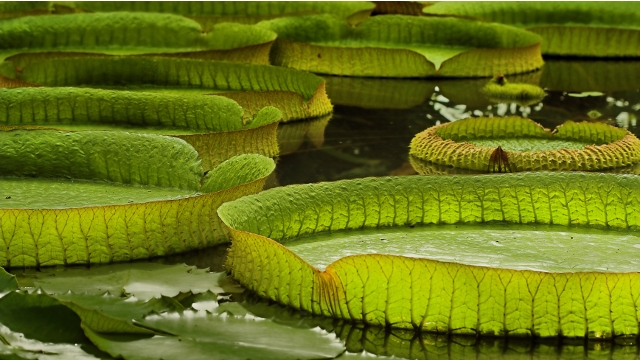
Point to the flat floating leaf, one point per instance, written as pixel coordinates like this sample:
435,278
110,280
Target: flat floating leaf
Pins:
446,297
142,280
213,125
200,335
135,33
21,348
403,46
499,89
471,144
598,29
40,233
299,95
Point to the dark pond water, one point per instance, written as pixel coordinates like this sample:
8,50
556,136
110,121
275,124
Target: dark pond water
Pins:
369,135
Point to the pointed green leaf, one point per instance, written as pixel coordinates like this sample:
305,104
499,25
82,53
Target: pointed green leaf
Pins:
134,33
598,28
115,315
403,46
142,280
8,282
297,94
40,317
426,286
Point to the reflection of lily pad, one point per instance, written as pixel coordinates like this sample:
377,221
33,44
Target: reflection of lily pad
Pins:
371,93
299,95
598,28
292,136
591,75
577,219
97,196
472,144
403,46
212,124
247,12
499,89
134,33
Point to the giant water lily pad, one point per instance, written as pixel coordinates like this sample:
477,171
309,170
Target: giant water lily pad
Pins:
247,12
428,287
297,94
99,196
134,33
518,144
213,125
403,46
598,29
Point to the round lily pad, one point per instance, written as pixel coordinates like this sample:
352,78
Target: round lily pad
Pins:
214,125
520,255
403,46
512,143
103,196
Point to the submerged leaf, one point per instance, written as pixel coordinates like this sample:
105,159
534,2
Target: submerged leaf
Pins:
598,28
403,46
142,280
415,290
297,94
16,347
470,144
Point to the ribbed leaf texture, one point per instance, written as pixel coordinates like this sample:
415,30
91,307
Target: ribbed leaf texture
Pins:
297,94
53,234
597,29
606,147
428,295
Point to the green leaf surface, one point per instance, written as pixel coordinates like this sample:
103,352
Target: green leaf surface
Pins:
403,46
297,94
598,28
40,317
142,280
244,12
194,118
129,33
446,296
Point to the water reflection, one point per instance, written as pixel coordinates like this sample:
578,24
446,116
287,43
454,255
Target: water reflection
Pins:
375,119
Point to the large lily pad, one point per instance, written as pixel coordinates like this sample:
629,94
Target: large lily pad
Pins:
247,12
213,125
97,197
474,295
297,94
518,144
403,46
135,33
598,29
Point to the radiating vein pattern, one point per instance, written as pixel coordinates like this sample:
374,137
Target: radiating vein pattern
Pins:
429,295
